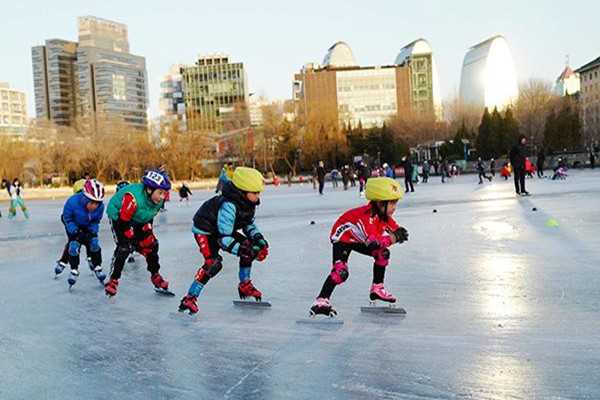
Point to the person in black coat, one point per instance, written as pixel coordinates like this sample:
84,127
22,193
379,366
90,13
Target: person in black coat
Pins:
517,157
321,176
408,171
541,158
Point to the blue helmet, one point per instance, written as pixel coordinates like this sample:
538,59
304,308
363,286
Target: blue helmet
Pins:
156,179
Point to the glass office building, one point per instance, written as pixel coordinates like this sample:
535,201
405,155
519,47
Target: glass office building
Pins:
96,76
55,80
215,94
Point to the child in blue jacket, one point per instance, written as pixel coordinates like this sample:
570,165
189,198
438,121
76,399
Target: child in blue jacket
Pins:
81,217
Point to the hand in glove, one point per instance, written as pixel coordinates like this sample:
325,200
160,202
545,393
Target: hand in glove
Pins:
400,235
261,245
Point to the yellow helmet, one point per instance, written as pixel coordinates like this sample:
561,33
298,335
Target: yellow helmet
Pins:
78,186
248,179
383,189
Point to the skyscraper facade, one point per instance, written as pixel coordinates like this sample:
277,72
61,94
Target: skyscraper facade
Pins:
215,94
96,76
171,102
424,81
55,81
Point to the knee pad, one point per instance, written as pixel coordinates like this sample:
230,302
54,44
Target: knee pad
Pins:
212,266
382,257
339,273
94,245
74,247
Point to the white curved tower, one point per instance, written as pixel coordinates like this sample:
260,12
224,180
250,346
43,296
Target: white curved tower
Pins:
425,74
339,55
488,77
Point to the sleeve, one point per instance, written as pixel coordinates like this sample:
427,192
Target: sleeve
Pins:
392,224
225,225
69,218
128,208
251,230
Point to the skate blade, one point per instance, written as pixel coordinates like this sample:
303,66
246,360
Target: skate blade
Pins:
383,310
320,321
251,303
164,292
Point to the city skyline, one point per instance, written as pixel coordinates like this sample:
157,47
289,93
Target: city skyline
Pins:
254,33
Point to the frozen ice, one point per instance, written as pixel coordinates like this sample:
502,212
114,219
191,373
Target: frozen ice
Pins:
500,304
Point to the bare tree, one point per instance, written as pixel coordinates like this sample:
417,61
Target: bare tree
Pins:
535,102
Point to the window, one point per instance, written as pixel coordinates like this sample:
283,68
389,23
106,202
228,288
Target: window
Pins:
119,88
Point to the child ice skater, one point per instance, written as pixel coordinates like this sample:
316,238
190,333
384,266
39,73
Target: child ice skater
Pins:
216,226
368,230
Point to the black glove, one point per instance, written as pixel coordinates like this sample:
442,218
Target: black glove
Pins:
400,234
247,252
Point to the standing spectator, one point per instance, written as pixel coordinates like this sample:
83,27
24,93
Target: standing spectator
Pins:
363,175
408,174
493,167
541,157
321,176
334,177
517,160
352,176
345,176
592,160
426,170
444,169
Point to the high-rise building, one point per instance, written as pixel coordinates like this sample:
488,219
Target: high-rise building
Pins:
95,77
567,83
488,77
352,94
171,102
103,34
55,81
216,94
13,110
589,98
424,80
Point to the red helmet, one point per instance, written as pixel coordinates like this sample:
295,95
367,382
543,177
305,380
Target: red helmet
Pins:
93,190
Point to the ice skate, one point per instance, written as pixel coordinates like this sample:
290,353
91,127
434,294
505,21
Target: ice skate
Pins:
161,286
189,304
246,289
59,268
322,306
378,292
111,287
73,277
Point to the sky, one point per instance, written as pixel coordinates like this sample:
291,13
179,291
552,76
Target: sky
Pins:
275,38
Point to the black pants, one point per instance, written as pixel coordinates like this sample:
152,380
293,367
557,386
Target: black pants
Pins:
519,175
483,175
540,171
143,242
408,182
341,252
321,186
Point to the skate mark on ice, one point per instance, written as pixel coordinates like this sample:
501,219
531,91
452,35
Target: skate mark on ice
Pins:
256,367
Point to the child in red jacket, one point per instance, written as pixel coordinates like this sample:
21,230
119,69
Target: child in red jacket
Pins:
368,230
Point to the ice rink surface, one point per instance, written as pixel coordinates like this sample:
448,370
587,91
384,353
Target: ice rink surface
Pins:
501,304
